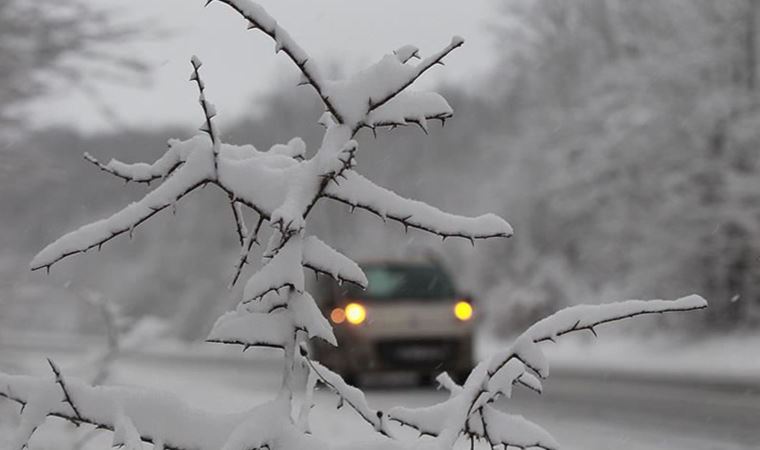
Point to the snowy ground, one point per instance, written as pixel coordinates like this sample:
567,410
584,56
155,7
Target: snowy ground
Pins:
621,397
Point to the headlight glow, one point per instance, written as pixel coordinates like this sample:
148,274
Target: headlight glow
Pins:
338,316
463,311
355,313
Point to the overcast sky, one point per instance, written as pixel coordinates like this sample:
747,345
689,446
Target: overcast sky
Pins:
241,64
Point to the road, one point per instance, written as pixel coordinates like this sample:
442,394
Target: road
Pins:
582,412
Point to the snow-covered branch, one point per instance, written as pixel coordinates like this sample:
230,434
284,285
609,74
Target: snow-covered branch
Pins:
258,18
410,108
97,233
240,226
401,84
272,323
150,416
250,239
282,271
580,318
361,97
468,412
258,180
321,258
358,192
140,172
351,396
66,395
209,110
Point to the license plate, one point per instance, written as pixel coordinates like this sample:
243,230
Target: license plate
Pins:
419,352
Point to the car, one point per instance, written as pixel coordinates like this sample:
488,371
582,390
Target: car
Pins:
410,318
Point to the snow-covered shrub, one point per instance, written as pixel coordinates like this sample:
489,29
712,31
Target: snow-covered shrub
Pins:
281,187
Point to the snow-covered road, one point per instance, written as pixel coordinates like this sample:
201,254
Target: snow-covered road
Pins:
583,413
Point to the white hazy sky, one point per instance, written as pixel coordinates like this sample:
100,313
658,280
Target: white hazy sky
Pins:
239,64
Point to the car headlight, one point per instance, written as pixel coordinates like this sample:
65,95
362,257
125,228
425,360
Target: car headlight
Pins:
463,310
355,313
338,316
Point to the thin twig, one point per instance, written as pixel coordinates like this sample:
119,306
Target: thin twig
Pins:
262,21
66,395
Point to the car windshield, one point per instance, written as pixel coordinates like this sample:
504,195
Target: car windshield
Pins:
405,282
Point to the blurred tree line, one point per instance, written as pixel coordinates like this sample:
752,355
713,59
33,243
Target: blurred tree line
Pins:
47,45
638,124
620,138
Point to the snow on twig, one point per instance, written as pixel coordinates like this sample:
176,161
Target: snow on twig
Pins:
209,111
258,18
351,396
373,88
321,258
245,250
193,174
358,192
240,226
468,411
66,395
155,416
140,172
410,108
255,179
421,68
282,271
